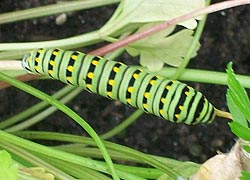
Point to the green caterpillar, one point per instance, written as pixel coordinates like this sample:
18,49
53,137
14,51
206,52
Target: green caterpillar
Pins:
169,99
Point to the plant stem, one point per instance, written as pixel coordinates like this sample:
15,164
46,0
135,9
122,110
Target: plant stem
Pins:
34,109
140,35
53,9
67,43
139,156
67,111
67,157
192,47
42,115
34,160
204,76
117,129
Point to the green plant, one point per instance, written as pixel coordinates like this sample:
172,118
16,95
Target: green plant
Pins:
239,106
68,161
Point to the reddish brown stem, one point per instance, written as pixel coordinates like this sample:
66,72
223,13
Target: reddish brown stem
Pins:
24,78
140,35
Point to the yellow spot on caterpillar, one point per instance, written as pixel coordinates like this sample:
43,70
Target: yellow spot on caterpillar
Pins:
94,62
89,86
111,82
109,94
74,57
146,95
130,89
174,81
152,82
129,101
145,106
50,72
168,87
135,76
55,53
52,62
40,51
29,59
161,111
70,68
69,79
37,59
36,68
116,69
163,100
187,93
177,116
181,108
90,75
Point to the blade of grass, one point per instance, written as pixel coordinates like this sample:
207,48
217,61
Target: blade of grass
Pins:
67,111
40,116
34,109
36,161
117,129
142,157
71,158
52,9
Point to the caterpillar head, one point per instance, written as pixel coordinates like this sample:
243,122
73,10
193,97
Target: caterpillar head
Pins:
27,58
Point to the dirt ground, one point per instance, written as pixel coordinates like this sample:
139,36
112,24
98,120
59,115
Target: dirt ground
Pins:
226,38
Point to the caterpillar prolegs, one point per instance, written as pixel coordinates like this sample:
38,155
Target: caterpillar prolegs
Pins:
169,99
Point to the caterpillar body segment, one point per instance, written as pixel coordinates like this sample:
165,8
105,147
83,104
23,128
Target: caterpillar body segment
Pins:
169,99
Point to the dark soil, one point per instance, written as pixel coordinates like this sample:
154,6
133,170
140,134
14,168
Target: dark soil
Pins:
226,38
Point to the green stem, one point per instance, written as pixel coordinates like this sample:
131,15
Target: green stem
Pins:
53,9
39,116
68,112
10,55
141,157
35,161
34,109
192,47
203,76
67,43
52,153
117,129
79,172
149,173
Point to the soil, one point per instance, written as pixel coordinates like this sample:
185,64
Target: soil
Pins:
226,38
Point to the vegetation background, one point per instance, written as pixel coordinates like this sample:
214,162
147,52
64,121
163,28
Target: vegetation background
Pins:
226,38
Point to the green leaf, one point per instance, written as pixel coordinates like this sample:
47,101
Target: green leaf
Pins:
238,95
8,169
245,175
246,148
240,130
147,11
160,48
234,110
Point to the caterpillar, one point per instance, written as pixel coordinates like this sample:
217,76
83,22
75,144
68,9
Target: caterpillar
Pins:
169,99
